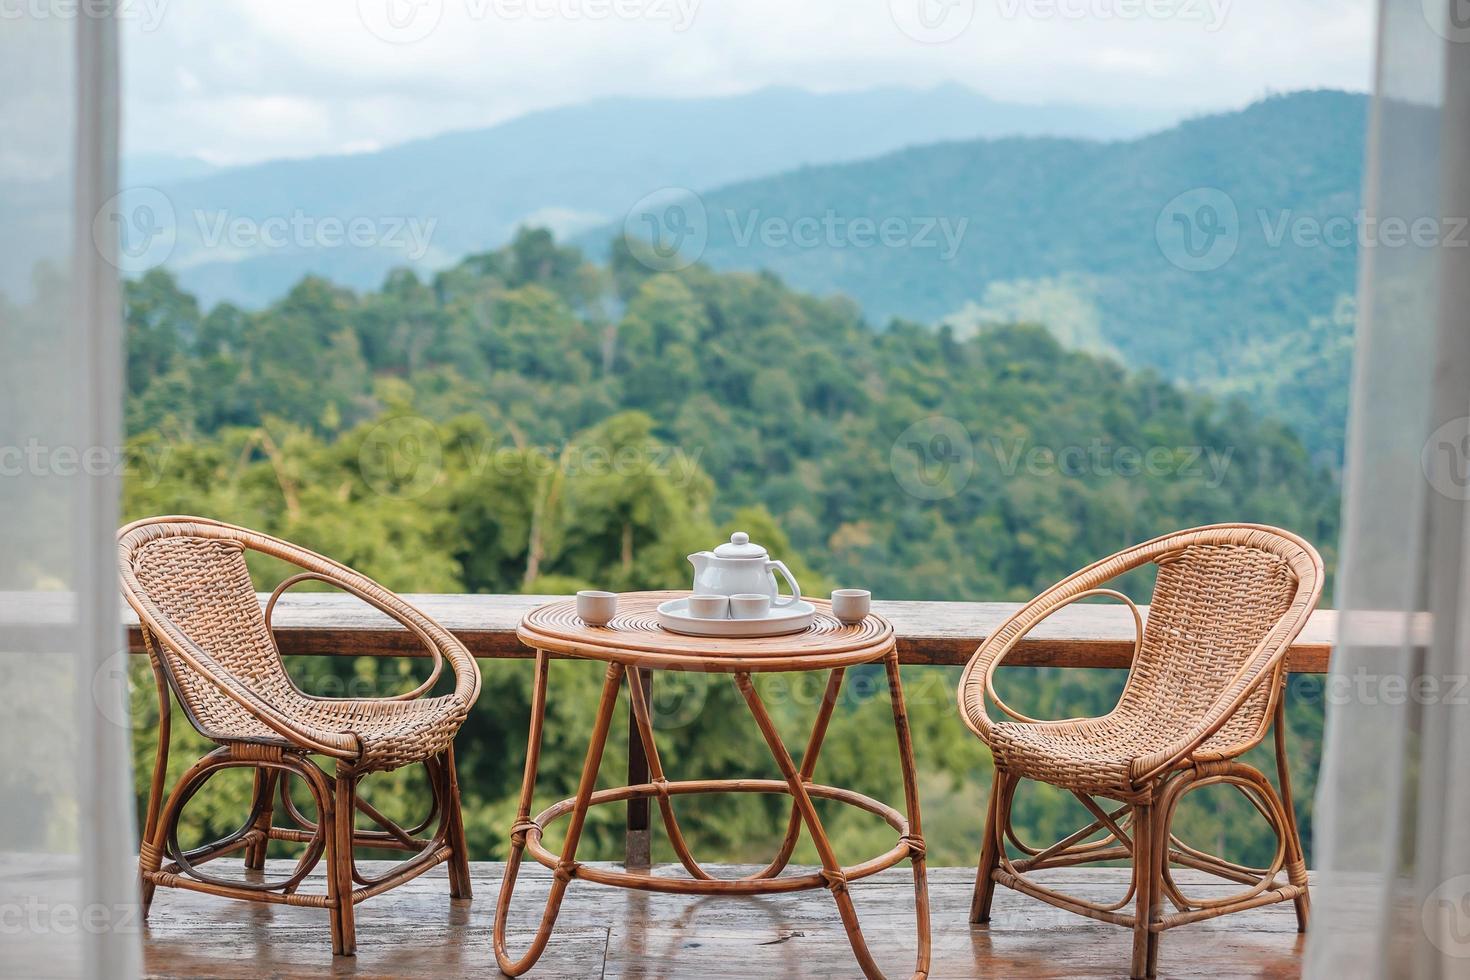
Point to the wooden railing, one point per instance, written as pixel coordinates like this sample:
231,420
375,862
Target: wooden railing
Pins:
931,633
928,633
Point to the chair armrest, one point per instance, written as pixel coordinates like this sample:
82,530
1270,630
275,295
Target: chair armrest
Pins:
439,642
435,648
977,682
335,744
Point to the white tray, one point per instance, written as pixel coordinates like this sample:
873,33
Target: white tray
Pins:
673,616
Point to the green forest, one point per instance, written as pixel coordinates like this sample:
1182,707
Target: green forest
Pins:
532,421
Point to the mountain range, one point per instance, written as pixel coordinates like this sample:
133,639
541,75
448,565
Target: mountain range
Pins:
567,169
1094,239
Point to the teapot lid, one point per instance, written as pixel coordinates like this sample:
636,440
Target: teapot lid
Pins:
740,546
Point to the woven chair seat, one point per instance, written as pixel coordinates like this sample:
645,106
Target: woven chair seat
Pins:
1098,755
392,734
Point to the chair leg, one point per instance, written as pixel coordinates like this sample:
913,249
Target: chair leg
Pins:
1296,860
339,870
263,807
991,841
150,855
1146,882
459,861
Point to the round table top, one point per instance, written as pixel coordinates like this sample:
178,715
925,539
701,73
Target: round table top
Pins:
635,638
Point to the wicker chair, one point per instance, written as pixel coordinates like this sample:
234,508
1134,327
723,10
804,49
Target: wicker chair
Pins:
1205,686
211,644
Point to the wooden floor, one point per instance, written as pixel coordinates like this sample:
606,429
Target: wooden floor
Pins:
414,931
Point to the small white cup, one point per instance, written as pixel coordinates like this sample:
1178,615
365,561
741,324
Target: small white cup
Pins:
709,606
596,608
750,605
850,606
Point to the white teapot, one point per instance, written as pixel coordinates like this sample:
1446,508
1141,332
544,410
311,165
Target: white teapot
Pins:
739,567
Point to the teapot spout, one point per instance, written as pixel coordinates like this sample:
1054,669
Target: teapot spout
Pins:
700,559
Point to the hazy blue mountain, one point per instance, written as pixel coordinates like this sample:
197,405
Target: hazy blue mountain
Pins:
153,169
569,169
1090,236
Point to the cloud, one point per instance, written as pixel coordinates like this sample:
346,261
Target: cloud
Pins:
242,80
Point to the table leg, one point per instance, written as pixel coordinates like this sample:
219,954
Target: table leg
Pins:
567,866
638,845
638,688
911,806
808,768
831,868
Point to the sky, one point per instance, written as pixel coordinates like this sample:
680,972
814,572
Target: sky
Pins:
237,81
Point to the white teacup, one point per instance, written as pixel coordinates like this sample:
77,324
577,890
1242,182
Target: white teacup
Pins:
851,606
750,605
596,608
709,606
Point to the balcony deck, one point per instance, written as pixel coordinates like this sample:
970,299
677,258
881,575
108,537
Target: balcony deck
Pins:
413,931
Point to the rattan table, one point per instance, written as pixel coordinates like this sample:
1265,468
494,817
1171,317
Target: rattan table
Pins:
633,643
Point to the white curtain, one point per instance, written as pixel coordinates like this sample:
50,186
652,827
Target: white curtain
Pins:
68,897
1392,826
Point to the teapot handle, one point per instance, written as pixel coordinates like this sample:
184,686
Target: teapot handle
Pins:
778,600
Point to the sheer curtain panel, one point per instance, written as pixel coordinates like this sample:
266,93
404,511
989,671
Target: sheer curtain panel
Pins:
68,895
